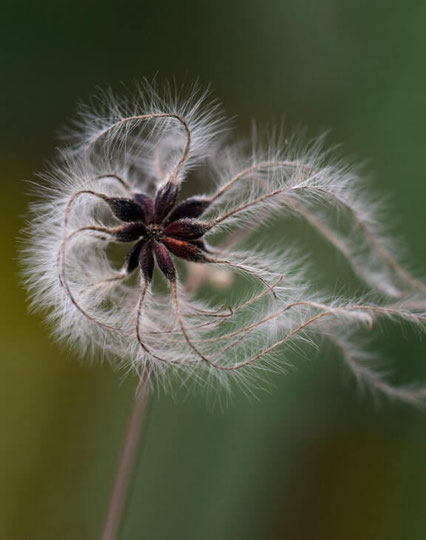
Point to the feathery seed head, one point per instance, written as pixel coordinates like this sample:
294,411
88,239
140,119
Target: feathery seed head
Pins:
118,183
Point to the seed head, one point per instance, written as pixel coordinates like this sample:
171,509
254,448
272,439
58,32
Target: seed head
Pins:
115,253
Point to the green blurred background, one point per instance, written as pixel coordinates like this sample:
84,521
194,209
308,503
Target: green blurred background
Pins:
310,459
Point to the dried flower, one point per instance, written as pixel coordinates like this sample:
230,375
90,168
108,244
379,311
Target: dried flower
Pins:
118,183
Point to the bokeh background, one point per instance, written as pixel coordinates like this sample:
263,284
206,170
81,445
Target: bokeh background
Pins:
310,459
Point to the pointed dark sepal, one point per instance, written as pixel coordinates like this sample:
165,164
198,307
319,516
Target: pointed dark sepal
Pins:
147,205
164,201
126,209
184,250
132,257
146,261
200,244
164,261
192,207
187,229
129,233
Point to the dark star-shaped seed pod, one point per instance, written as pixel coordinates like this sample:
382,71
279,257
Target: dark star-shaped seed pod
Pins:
160,227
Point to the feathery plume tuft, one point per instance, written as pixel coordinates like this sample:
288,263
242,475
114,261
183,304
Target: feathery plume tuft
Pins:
115,255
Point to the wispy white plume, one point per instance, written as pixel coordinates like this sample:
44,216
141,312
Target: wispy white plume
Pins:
116,185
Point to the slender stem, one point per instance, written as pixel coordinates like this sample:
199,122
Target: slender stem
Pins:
125,466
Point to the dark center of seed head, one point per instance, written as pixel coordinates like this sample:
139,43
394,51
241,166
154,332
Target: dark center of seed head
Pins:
154,232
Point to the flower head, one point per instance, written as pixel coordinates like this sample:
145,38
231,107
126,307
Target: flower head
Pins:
112,212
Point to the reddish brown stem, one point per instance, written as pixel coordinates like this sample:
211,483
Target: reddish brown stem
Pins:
125,465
